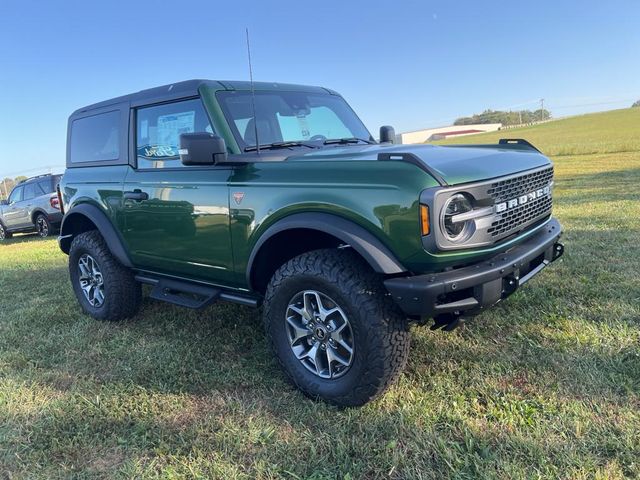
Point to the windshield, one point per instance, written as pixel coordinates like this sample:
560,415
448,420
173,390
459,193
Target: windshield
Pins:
286,117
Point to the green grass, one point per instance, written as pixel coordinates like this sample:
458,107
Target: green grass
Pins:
614,131
545,385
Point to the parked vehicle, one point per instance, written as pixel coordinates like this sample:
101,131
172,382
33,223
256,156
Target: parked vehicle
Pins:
32,206
277,195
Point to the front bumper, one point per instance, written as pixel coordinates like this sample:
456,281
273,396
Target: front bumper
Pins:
468,290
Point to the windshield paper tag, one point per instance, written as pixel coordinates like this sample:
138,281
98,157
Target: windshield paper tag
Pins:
304,126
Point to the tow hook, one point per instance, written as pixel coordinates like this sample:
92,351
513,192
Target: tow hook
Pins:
447,322
509,285
558,250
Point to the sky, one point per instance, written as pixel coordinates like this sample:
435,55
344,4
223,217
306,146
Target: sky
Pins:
410,64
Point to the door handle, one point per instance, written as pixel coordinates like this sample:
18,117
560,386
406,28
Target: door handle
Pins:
136,195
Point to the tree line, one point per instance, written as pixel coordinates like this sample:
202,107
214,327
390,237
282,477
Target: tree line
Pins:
505,118
7,184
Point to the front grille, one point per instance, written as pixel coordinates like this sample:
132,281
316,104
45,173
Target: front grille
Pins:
504,207
516,186
520,215
505,190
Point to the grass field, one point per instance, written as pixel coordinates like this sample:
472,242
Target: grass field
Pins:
546,385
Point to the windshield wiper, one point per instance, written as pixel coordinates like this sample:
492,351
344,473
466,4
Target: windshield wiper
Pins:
344,141
276,145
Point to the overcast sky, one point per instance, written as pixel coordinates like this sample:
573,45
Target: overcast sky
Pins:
411,64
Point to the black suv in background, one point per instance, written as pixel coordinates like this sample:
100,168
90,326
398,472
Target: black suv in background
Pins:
32,206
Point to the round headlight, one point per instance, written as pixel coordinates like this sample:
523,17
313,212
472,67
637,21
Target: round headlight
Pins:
456,205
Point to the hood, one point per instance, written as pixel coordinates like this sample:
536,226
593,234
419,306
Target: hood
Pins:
454,164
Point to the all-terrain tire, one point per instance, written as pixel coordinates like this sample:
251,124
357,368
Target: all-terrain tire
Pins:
380,330
122,294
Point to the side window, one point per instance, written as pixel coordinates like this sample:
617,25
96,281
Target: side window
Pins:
96,138
44,186
29,191
159,129
16,195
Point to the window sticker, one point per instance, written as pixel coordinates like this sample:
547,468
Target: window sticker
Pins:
169,129
157,151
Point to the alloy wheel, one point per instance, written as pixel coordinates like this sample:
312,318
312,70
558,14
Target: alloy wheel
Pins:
91,281
319,334
42,226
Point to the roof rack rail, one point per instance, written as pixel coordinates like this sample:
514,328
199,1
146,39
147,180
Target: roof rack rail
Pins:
35,176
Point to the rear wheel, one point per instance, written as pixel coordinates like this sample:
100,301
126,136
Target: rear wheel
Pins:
333,327
43,226
105,289
4,234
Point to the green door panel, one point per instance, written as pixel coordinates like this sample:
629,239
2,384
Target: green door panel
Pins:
183,226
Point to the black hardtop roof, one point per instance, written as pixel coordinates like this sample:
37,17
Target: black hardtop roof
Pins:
189,88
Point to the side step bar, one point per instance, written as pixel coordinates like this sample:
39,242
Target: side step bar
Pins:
189,294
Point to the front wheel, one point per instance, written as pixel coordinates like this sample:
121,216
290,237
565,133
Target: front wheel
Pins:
333,327
4,234
105,289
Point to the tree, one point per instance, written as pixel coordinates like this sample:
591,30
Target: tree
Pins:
505,118
637,104
7,184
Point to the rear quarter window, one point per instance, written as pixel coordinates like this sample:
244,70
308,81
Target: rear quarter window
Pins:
46,186
95,138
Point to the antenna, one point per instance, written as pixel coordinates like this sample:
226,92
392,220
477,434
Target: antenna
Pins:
253,94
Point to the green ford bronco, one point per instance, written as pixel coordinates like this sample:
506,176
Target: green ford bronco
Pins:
276,196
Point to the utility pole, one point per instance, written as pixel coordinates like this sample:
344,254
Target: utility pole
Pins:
541,109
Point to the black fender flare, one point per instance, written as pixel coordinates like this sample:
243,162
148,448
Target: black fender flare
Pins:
377,255
103,224
36,212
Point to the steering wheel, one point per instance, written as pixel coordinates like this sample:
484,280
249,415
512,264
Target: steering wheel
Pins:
317,138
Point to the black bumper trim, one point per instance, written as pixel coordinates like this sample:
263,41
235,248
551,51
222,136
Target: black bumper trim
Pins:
472,288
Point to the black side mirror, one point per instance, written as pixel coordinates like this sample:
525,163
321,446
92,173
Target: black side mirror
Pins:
387,134
202,149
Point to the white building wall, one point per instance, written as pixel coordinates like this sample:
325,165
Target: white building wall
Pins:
421,136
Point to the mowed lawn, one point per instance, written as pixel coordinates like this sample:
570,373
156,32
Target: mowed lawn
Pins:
545,385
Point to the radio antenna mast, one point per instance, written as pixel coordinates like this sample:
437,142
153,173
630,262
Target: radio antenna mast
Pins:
253,94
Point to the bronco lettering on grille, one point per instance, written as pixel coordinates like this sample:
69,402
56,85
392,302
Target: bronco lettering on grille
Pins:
514,202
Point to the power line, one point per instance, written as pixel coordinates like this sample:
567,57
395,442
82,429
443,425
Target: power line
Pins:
442,121
594,104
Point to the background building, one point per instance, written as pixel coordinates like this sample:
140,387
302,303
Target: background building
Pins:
430,134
